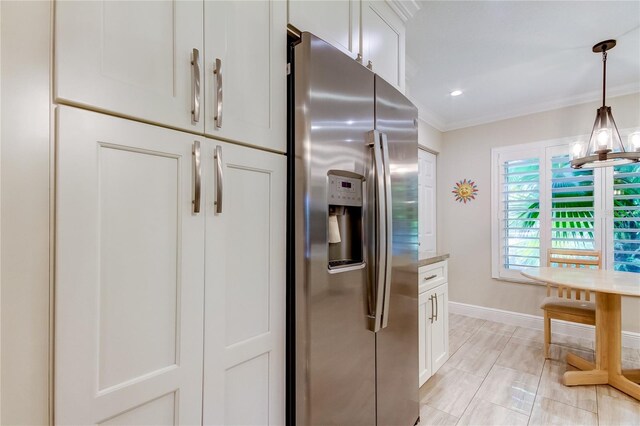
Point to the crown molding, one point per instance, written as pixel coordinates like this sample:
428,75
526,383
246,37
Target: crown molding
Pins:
405,9
537,108
427,116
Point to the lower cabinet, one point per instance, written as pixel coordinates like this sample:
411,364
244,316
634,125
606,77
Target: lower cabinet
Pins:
169,276
433,320
244,297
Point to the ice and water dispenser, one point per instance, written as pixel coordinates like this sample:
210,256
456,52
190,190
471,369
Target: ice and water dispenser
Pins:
345,234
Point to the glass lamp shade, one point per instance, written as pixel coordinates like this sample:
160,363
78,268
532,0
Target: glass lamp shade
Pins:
605,146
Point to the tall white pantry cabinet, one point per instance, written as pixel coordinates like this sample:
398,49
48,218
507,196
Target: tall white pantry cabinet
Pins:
170,245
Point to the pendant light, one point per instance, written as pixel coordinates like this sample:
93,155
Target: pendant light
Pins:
605,147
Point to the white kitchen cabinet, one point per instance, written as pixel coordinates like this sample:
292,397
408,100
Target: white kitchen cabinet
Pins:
245,286
383,42
433,319
336,22
131,58
426,203
245,81
129,274
424,336
165,315
440,327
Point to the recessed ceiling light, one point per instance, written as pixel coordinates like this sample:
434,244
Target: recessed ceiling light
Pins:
456,93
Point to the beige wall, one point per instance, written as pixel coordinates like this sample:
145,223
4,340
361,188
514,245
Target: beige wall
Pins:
429,137
465,230
24,210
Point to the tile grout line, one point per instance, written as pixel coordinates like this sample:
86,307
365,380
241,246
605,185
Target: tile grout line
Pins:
450,355
535,398
485,378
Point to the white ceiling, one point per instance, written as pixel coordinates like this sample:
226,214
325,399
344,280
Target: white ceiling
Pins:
512,58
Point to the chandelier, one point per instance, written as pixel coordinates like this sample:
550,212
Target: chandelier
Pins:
605,147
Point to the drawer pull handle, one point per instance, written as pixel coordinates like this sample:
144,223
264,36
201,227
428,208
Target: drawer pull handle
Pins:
430,277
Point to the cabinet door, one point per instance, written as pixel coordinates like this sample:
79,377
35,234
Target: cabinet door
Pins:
427,203
383,42
424,337
129,274
336,22
246,96
132,58
245,287
440,328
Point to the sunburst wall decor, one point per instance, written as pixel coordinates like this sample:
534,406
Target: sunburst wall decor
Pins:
465,190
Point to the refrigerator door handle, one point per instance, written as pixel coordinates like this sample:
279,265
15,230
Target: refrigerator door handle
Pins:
388,202
380,247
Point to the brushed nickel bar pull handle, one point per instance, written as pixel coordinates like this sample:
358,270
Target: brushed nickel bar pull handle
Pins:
217,71
431,300
388,207
430,277
219,178
436,296
195,85
197,175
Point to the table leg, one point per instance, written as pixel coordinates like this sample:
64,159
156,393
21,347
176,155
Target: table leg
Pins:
608,367
633,375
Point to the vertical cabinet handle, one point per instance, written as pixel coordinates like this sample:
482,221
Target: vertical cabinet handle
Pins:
431,300
219,178
195,85
217,71
197,187
436,296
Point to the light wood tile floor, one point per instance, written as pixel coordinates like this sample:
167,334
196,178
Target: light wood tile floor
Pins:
497,375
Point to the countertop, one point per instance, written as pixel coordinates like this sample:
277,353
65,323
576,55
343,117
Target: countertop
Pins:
433,259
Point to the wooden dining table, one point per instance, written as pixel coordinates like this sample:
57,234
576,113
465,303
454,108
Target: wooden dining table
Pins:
609,287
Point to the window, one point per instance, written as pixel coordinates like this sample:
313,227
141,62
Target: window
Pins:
572,206
520,213
539,202
626,218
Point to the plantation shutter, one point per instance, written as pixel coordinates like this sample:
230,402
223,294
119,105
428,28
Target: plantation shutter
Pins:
626,218
572,206
520,213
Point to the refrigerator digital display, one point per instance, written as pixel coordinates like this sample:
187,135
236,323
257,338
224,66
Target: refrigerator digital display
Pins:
346,184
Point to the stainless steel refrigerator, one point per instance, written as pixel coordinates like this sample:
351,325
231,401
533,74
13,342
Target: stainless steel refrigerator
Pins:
353,329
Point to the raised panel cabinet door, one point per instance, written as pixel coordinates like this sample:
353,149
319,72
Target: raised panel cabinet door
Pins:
424,337
440,329
383,42
246,72
129,280
132,58
427,203
337,22
245,286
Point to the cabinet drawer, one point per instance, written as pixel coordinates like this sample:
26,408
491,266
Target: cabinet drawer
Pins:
431,276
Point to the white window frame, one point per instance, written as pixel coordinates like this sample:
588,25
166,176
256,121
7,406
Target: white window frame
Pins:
544,151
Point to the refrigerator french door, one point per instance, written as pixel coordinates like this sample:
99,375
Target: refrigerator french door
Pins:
354,235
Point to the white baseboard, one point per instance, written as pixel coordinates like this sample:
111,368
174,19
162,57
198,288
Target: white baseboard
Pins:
629,339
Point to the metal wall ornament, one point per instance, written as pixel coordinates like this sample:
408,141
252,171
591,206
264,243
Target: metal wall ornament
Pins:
465,190
605,147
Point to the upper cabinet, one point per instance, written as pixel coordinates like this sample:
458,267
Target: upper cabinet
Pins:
245,65
336,22
383,42
214,67
136,59
369,31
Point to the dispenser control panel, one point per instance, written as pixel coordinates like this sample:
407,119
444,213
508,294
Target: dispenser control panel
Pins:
345,191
